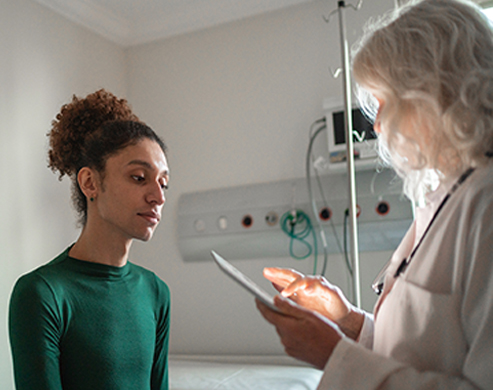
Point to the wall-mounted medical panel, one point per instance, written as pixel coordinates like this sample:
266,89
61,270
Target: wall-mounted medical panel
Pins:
244,222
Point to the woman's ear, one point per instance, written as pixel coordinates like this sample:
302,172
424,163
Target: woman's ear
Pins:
88,182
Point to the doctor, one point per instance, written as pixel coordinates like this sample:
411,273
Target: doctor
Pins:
426,72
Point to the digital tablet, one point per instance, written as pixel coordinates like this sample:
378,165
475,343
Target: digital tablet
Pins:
244,280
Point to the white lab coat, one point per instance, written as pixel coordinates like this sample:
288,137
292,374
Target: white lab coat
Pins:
433,325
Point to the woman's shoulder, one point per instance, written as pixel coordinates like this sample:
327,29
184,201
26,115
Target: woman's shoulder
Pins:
47,268
474,207
150,277
41,282
480,188
485,173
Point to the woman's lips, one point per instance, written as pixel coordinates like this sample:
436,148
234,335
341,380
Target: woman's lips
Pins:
151,217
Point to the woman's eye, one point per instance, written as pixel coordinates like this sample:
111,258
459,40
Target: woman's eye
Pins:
138,178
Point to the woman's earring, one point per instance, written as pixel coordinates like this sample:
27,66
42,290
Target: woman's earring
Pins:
91,199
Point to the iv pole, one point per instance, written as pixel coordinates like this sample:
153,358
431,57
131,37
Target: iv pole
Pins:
348,121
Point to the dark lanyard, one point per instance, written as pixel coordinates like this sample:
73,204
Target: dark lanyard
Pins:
402,267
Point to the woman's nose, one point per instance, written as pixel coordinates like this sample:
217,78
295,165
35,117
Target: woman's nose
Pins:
377,127
157,194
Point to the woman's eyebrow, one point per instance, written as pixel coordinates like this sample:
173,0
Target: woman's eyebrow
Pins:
140,162
146,165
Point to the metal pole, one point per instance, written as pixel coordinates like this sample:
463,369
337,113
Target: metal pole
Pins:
350,156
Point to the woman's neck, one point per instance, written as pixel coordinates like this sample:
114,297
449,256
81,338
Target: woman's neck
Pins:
96,248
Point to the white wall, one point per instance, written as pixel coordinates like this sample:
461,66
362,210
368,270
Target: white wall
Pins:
44,60
234,104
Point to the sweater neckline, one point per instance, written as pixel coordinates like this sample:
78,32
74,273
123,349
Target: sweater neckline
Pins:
97,269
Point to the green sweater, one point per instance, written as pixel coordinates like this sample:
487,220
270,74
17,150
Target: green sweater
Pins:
78,325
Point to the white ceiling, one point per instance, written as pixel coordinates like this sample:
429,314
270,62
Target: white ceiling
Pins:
131,22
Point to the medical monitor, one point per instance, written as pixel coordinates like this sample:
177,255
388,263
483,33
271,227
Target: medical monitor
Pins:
364,138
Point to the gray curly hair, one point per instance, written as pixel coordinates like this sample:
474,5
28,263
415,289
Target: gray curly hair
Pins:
431,62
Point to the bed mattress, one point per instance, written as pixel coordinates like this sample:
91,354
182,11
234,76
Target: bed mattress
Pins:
200,375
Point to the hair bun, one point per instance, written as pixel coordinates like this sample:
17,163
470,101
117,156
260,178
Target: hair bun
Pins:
76,121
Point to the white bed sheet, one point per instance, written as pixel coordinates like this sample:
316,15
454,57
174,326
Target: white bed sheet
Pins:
193,375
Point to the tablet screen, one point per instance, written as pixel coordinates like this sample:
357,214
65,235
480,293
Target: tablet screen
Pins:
244,280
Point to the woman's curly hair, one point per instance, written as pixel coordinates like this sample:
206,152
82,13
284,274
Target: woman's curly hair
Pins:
89,130
76,121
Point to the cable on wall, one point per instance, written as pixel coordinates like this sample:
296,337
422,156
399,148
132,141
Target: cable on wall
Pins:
310,191
298,226
309,158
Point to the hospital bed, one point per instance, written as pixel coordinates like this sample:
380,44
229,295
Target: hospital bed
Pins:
240,373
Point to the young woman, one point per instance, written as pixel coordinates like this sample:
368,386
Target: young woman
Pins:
428,73
90,319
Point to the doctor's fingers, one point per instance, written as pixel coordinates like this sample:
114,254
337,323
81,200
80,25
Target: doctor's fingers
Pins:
308,285
269,315
281,277
287,309
308,337
317,294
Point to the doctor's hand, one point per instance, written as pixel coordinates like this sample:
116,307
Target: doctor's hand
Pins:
306,335
317,294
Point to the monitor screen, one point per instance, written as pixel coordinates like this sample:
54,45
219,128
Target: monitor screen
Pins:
364,137
361,125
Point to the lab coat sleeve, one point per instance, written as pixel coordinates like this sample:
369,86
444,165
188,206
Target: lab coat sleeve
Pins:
354,367
365,337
